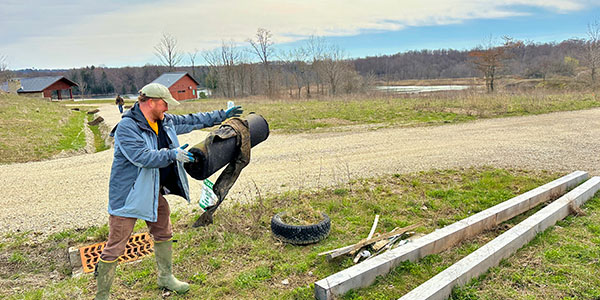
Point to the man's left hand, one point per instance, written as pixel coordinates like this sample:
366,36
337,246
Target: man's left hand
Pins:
234,111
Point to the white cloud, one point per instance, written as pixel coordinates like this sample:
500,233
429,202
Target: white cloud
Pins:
73,34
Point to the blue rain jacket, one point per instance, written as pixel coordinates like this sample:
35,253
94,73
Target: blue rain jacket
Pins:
135,177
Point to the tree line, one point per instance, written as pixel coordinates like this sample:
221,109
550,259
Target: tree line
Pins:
319,67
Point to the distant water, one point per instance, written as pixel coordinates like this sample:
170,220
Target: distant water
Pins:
414,89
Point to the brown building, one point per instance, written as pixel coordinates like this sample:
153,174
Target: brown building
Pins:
181,85
51,87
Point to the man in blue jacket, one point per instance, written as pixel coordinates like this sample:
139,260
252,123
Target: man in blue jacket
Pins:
148,164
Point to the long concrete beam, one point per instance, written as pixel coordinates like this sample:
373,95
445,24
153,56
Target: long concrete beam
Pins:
440,286
364,274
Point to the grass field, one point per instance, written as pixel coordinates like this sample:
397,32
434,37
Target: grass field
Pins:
237,258
34,129
293,115
38,129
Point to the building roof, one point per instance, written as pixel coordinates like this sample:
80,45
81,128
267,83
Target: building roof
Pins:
37,84
168,79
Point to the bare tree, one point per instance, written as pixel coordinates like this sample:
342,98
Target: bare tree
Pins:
3,63
4,73
489,59
223,63
592,49
263,48
244,71
192,57
213,78
294,62
333,65
166,50
230,58
83,88
250,71
314,49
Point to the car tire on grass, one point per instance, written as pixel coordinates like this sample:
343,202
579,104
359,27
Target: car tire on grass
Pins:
300,234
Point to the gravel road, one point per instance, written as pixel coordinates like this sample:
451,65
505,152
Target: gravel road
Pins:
53,195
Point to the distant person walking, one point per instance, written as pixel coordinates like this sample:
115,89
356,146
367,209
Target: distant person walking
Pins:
119,102
148,164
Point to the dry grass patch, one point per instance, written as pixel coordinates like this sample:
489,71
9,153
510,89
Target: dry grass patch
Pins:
309,115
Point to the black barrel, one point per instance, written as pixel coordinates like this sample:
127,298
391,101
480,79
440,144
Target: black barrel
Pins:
210,157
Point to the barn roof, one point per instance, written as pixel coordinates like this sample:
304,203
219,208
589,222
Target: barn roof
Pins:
37,84
168,79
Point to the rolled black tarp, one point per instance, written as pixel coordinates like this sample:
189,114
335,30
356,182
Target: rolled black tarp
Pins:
214,152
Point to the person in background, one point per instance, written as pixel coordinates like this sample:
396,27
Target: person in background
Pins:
148,164
119,102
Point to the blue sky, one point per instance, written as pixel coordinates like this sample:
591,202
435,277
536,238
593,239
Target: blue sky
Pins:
69,34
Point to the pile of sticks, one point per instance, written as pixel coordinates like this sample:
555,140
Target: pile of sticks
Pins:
373,245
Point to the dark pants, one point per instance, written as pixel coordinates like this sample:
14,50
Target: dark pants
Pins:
120,108
120,229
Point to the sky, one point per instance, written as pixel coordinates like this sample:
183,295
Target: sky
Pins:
61,34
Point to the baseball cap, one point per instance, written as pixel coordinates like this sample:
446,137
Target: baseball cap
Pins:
157,90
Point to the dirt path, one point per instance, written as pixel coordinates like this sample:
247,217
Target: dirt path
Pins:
72,192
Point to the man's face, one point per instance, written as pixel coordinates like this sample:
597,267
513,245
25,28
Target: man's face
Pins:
158,108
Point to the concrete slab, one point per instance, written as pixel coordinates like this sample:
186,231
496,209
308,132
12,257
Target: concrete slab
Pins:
364,274
440,286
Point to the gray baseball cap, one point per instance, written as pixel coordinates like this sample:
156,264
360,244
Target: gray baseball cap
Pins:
157,90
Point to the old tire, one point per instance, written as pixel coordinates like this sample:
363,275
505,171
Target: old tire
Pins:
300,234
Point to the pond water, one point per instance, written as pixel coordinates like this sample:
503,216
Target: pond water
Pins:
413,89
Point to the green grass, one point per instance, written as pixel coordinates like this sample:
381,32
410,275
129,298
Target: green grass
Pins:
294,115
97,233
35,129
563,262
47,128
99,143
237,258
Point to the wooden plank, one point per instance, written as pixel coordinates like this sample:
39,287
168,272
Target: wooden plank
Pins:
373,227
371,241
335,250
364,274
350,248
440,286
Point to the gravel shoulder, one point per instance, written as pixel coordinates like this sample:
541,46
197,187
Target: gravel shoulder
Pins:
54,195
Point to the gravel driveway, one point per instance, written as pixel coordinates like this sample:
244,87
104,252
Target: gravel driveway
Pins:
54,195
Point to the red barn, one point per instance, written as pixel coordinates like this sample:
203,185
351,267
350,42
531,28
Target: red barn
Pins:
51,87
181,85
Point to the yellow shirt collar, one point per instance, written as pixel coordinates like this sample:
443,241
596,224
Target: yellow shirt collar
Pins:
153,125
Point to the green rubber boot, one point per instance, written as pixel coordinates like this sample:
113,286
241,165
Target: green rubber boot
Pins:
164,260
104,273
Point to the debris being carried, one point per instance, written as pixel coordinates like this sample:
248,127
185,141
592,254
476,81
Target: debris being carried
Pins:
229,145
373,244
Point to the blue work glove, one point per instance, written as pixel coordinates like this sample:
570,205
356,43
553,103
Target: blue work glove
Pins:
182,155
234,111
